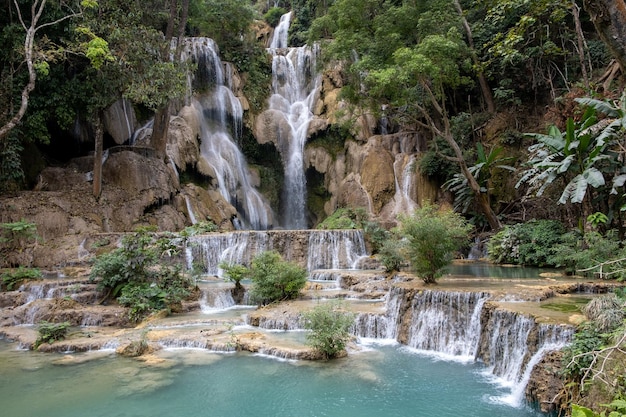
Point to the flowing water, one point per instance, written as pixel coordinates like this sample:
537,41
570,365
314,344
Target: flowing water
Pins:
380,381
220,115
295,85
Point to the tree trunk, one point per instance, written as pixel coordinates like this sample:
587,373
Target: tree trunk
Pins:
482,80
609,19
97,159
580,37
159,131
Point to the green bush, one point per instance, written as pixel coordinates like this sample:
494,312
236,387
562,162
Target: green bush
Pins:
51,332
532,244
199,228
432,236
274,279
391,255
137,274
272,17
12,279
577,252
15,238
345,218
329,325
376,235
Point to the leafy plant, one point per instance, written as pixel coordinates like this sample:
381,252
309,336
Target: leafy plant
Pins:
274,279
12,279
272,17
15,238
391,255
138,276
51,332
199,228
432,236
345,218
329,325
533,243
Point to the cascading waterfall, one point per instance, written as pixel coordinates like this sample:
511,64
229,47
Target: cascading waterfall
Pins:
403,169
220,115
316,249
295,85
335,249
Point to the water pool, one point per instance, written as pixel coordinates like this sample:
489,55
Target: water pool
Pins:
379,381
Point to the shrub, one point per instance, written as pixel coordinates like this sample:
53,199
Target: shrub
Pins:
274,279
329,325
199,228
391,255
137,274
15,238
375,235
532,243
12,279
273,15
51,332
432,236
345,218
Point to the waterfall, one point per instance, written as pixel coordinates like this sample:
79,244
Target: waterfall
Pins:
316,249
216,299
192,217
220,115
335,249
295,85
403,169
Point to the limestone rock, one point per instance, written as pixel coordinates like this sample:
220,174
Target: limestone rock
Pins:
378,178
120,121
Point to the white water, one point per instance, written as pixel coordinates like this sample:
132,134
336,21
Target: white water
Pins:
323,249
220,115
403,168
295,86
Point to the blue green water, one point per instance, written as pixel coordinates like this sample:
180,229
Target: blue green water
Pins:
383,381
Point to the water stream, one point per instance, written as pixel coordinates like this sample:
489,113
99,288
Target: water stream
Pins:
295,85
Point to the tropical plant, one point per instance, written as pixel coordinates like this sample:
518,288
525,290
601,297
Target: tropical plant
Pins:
12,279
432,236
533,243
138,276
274,279
390,254
328,324
345,218
51,332
482,171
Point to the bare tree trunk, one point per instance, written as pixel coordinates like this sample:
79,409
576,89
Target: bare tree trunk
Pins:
581,43
609,19
482,80
37,8
97,158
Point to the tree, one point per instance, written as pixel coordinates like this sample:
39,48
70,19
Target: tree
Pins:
329,324
609,19
432,236
274,279
34,60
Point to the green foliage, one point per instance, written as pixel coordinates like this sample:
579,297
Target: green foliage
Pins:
12,279
577,356
432,236
482,171
272,17
51,332
391,255
235,273
137,274
199,228
15,239
345,218
533,243
578,252
329,325
375,235
274,279
11,173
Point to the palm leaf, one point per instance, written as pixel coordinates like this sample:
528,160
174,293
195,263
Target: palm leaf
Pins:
599,105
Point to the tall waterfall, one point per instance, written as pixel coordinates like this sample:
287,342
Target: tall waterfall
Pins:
295,85
220,115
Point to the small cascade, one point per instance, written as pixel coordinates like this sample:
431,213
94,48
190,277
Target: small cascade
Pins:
220,114
403,169
316,249
446,322
231,248
214,299
295,86
335,249
192,217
